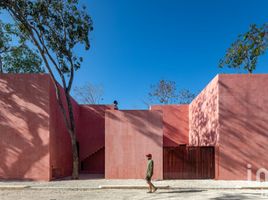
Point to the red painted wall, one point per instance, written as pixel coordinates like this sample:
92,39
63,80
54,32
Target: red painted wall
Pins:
95,163
129,136
24,126
204,120
31,121
204,117
232,114
175,124
60,142
243,118
91,130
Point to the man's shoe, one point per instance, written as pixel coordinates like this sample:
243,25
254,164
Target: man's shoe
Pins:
149,192
155,189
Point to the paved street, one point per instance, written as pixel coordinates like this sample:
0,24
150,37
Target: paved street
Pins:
88,188
124,194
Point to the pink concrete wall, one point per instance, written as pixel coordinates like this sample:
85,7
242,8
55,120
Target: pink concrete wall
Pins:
95,163
90,134
231,113
31,121
129,136
204,118
24,126
243,118
60,142
175,124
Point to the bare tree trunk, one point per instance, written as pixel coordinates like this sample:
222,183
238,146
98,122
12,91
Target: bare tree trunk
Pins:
68,118
72,132
67,114
75,172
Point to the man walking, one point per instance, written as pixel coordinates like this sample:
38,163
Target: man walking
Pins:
149,173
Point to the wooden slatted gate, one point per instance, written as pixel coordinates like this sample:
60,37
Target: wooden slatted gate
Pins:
186,162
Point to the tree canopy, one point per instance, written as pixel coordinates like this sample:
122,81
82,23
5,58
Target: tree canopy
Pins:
15,55
55,28
245,51
165,92
89,93
185,96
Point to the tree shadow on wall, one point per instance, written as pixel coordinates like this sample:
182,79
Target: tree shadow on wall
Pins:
242,122
91,129
145,122
24,123
148,123
204,120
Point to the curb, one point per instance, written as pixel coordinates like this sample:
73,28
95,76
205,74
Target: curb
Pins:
255,188
13,187
165,187
62,188
131,187
180,188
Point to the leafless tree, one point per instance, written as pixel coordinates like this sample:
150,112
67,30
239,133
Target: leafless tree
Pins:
89,94
185,96
165,92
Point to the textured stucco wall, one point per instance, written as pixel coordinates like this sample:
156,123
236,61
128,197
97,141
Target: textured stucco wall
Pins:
231,113
94,164
204,117
90,134
24,126
129,136
175,124
60,142
204,127
243,118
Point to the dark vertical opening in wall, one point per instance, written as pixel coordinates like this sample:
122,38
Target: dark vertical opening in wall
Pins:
94,163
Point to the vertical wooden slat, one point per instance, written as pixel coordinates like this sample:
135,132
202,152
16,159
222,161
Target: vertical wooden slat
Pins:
185,162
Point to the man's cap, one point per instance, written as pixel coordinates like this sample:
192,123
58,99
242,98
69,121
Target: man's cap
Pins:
149,155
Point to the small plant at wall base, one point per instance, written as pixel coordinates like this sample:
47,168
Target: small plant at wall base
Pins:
245,51
55,28
15,55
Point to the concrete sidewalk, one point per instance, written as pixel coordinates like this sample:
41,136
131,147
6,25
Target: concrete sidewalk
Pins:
87,183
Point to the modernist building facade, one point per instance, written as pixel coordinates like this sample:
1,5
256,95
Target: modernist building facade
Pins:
230,115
